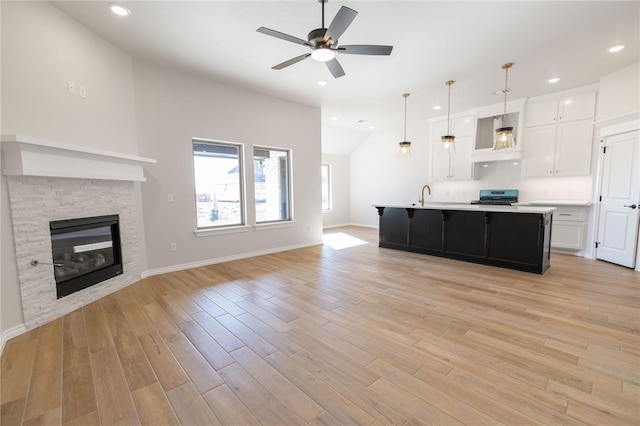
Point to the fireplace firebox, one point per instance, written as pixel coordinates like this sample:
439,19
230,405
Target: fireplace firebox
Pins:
86,251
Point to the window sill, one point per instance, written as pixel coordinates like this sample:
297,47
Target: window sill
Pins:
273,225
221,231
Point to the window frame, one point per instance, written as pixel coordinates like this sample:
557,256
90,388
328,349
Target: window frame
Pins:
329,187
288,186
235,227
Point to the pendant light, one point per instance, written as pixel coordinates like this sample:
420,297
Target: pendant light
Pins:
405,145
504,135
448,139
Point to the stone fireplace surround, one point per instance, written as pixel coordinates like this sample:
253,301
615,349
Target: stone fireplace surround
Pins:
42,193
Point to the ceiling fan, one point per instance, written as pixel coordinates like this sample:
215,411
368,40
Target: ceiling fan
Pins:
324,42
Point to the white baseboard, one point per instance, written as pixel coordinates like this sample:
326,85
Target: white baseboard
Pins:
10,334
336,226
364,225
175,268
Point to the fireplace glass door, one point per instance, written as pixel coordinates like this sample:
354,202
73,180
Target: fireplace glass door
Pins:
86,251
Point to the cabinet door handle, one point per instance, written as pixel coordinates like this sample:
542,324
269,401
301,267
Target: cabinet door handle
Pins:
632,206
564,214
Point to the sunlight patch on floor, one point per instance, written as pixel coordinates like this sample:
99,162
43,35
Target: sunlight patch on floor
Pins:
340,240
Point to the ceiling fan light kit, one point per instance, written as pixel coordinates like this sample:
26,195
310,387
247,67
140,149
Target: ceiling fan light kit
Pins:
323,42
323,54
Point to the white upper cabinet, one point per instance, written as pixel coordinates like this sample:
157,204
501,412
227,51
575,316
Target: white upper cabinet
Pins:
559,136
540,151
567,108
578,107
452,163
574,142
439,128
460,127
543,112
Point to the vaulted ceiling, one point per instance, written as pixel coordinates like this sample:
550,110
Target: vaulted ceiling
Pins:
433,42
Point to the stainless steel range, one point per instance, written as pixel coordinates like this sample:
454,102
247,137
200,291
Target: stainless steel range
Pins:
499,197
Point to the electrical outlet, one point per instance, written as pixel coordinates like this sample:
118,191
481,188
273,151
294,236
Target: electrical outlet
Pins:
83,91
71,86
169,198
173,247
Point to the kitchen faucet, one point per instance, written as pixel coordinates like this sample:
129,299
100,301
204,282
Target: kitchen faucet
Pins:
421,200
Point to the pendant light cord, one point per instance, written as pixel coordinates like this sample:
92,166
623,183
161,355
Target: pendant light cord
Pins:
449,83
405,96
506,78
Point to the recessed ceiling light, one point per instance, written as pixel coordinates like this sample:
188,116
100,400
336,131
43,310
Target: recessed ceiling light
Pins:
322,83
617,48
334,118
371,127
437,107
554,80
119,10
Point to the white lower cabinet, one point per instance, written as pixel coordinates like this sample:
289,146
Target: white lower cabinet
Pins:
569,228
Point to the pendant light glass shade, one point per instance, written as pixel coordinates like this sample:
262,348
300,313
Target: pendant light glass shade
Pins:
504,138
448,139
405,150
405,145
504,135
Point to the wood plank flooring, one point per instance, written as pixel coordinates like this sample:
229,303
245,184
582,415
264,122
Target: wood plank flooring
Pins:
360,335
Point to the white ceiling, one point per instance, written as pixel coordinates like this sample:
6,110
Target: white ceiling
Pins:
433,42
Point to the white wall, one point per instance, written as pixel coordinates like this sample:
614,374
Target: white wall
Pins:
619,92
340,191
171,109
42,48
378,176
619,95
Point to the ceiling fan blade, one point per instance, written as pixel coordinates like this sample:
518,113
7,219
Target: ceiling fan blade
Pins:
335,68
282,36
366,49
291,61
340,23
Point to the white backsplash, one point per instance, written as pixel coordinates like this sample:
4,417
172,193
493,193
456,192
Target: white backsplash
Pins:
506,175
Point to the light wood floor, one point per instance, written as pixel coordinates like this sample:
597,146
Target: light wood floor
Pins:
355,336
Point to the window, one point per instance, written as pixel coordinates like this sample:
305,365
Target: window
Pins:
326,187
271,168
218,174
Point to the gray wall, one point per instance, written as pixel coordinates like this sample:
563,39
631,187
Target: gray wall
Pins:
172,108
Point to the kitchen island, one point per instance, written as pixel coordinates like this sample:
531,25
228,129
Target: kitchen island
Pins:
515,237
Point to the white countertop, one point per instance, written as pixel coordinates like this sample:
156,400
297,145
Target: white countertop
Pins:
577,203
472,207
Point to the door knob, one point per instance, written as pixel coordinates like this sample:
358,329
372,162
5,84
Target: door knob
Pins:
632,206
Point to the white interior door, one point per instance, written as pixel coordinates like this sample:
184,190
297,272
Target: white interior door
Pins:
618,225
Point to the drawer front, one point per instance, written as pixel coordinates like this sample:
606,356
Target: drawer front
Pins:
570,214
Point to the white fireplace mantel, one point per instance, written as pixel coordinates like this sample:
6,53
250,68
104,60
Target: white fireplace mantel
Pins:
27,156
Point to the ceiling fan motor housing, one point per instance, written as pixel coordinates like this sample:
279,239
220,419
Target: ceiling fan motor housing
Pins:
317,38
